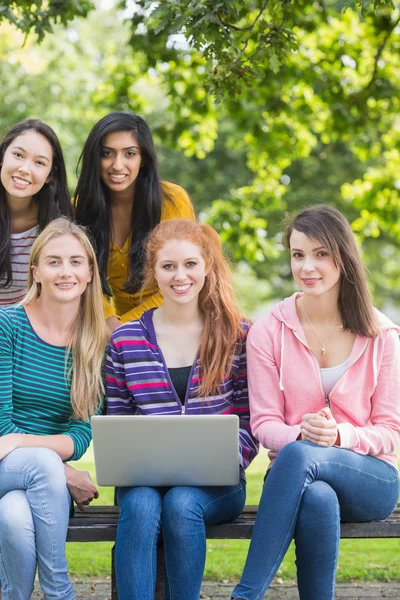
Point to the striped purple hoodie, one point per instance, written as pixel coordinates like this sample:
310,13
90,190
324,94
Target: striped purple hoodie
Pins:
138,382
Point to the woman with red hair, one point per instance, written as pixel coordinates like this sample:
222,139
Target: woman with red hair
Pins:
195,350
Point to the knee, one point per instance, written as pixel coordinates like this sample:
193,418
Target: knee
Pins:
180,505
45,469
15,516
320,499
142,503
297,453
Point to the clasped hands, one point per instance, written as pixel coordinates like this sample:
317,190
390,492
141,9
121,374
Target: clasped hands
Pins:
320,428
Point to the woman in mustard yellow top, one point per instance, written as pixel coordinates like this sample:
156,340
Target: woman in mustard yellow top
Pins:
120,199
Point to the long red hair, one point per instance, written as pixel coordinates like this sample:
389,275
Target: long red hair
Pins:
223,322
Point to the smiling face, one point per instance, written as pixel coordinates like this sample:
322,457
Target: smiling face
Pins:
26,165
63,270
313,267
120,161
180,271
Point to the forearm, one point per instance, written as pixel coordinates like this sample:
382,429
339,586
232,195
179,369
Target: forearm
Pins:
63,445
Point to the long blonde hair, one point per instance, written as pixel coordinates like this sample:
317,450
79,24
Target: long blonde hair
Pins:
223,322
89,334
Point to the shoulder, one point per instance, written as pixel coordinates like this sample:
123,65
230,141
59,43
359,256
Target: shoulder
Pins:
10,321
176,201
134,333
264,329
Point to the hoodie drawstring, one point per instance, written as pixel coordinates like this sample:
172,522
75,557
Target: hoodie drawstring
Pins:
282,348
375,361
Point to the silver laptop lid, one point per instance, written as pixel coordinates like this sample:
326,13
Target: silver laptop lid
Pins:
166,450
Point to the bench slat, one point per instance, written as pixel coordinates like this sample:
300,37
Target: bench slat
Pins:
99,523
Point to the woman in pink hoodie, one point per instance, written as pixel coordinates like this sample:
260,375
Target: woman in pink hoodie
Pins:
324,384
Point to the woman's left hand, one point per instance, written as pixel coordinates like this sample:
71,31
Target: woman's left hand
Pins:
319,428
8,443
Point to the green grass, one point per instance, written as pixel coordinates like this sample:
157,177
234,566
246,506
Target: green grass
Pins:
358,560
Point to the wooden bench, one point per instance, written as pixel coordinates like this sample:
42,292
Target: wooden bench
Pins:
99,524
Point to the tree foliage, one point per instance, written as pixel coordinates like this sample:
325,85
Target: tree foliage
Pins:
253,125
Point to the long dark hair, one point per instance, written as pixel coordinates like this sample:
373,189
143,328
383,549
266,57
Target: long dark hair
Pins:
92,197
329,227
53,199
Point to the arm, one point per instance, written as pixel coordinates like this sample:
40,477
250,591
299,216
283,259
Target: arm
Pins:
267,401
80,486
60,444
118,395
6,376
248,445
382,434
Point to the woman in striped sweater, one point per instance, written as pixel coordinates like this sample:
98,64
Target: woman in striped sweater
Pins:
188,356
33,192
51,354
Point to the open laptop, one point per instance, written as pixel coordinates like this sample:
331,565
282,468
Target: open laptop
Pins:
166,450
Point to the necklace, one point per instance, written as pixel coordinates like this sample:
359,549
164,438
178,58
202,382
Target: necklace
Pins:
323,344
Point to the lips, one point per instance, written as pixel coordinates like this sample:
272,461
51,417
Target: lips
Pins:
65,286
181,289
117,177
21,183
311,281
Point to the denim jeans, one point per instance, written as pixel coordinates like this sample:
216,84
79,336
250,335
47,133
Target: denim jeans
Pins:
308,491
34,512
183,513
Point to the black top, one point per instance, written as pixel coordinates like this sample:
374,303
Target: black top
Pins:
180,377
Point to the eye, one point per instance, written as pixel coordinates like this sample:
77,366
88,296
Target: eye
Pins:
168,266
106,153
76,262
40,163
17,154
54,262
297,255
323,253
131,154
191,263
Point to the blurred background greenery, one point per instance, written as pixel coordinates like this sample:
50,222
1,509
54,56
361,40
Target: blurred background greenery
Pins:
257,109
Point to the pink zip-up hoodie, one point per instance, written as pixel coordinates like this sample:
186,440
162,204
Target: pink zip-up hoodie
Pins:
285,383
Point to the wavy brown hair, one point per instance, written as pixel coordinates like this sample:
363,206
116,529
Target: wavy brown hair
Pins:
223,322
89,334
327,226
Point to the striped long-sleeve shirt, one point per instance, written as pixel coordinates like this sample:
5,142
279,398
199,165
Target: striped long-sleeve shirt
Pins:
34,393
137,382
21,244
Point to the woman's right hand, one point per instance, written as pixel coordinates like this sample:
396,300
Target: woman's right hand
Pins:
80,486
319,428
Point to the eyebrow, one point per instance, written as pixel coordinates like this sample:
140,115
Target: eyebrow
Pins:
54,256
127,148
37,155
313,250
166,260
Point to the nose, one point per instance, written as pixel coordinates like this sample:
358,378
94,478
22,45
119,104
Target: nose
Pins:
180,274
24,166
308,265
118,163
65,269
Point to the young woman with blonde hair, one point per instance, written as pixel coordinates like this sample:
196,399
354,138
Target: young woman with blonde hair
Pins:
51,354
189,359
324,384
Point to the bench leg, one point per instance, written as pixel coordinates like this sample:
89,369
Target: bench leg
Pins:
160,590
114,593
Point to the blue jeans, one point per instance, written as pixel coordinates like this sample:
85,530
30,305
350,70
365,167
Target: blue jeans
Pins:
308,491
34,513
183,513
